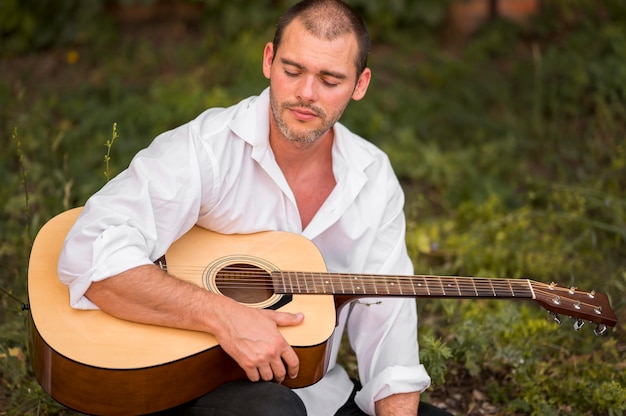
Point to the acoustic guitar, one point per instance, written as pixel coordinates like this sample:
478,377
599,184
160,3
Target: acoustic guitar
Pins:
94,363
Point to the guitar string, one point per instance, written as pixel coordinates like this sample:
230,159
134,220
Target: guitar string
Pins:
248,276
449,281
254,279
251,277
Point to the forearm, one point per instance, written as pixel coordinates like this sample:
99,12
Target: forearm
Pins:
403,404
147,294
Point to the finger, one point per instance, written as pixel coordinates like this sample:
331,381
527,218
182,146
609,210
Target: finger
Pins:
253,374
291,362
266,373
279,371
288,319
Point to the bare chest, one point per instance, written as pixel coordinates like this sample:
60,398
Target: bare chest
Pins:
310,194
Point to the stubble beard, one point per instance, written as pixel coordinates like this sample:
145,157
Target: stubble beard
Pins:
303,137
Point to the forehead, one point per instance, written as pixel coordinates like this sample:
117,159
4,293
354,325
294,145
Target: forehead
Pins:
301,46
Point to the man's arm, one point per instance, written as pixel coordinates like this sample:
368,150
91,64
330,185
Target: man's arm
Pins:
147,294
402,404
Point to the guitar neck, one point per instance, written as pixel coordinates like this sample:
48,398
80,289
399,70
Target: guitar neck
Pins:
289,282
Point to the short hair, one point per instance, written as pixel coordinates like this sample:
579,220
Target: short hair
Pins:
329,19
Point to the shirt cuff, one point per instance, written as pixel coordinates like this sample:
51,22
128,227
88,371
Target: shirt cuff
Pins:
116,250
393,380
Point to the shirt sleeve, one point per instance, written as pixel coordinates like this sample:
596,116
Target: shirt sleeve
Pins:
383,331
134,218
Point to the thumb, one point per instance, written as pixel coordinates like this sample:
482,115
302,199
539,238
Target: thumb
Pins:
288,319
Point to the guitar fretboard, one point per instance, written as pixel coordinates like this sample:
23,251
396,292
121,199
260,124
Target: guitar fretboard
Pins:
288,282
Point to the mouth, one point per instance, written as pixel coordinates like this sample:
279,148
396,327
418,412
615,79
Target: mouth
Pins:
302,114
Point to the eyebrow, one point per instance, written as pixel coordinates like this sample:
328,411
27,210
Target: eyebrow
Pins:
333,74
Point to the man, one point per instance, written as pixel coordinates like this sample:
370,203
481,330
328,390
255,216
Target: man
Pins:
279,161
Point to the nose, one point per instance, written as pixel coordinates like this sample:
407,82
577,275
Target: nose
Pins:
307,91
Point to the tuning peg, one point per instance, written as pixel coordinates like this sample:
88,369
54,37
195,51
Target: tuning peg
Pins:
578,324
556,318
600,329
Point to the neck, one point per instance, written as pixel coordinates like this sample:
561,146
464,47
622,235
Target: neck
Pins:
308,169
294,157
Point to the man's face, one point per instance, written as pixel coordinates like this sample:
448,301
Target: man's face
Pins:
311,82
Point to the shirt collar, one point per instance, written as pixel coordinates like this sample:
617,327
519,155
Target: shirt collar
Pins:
345,154
350,159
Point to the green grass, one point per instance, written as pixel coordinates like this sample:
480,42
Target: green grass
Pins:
511,147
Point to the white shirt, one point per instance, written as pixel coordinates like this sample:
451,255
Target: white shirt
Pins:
219,171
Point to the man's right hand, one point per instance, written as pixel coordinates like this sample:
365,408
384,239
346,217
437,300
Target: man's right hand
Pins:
251,337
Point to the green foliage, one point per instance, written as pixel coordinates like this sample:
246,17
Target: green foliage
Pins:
27,25
435,356
107,157
530,365
512,150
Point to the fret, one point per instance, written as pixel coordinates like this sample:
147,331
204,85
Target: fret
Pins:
343,289
406,283
311,283
393,286
449,287
434,286
298,282
329,279
317,283
304,284
360,287
482,291
449,283
322,282
287,289
422,286
427,287
355,281
352,290
522,288
280,282
386,281
531,289
370,286
418,286
413,288
500,288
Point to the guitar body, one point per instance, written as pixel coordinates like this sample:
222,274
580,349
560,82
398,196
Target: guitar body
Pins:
94,363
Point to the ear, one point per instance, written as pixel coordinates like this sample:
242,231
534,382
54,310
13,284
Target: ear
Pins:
361,84
268,58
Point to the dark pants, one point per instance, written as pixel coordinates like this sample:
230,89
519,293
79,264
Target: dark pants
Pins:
243,398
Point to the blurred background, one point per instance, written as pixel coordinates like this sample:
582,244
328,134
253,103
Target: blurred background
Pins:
504,119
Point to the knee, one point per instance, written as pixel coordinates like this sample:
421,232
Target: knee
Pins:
278,400
244,398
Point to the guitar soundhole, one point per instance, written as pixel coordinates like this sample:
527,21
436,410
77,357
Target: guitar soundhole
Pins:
244,283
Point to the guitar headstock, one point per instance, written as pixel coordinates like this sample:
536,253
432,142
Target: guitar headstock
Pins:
580,305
